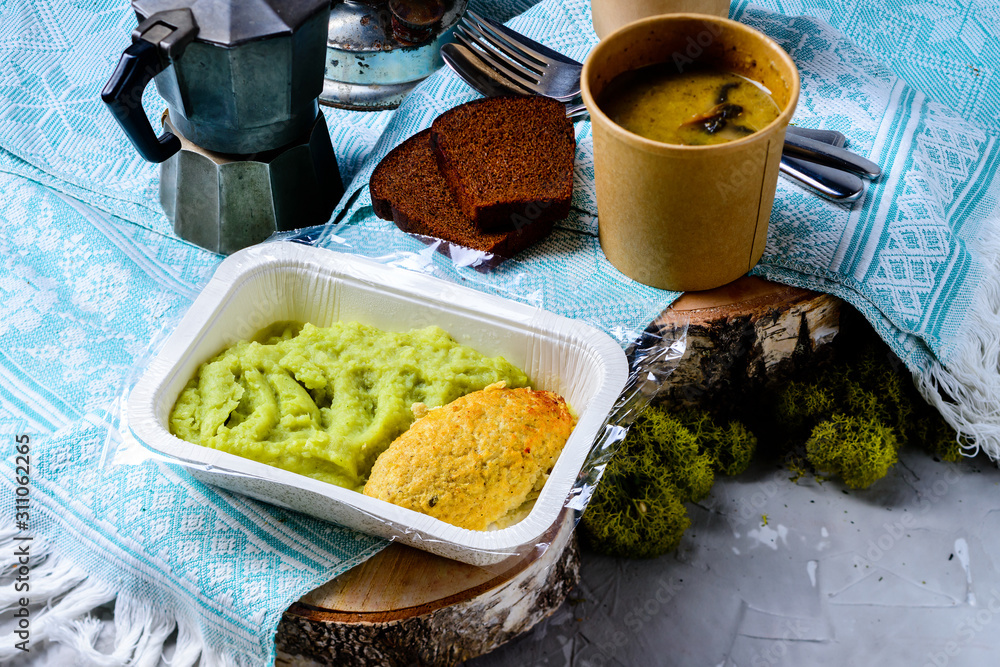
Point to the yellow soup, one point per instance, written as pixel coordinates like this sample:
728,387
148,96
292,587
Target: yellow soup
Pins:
694,108
325,402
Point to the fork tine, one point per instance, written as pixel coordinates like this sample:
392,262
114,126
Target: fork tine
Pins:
504,47
502,65
510,60
504,86
498,65
540,53
523,53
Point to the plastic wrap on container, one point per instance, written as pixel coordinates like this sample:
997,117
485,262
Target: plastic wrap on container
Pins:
284,281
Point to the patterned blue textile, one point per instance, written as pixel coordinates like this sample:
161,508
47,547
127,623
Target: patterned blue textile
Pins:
914,87
92,273
83,296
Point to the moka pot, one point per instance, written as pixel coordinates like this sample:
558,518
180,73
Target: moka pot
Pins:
241,80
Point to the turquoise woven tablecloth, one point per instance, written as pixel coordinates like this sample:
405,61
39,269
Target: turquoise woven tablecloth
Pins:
90,274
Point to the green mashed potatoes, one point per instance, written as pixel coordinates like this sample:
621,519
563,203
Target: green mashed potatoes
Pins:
325,402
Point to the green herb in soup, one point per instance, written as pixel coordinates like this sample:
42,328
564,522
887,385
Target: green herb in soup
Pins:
693,108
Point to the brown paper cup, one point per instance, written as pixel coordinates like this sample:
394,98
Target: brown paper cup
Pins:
686,217
609,15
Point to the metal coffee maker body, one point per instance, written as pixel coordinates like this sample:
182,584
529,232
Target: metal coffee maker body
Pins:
241,80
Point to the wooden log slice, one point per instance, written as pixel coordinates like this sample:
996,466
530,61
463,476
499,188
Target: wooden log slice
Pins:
747,336
405,606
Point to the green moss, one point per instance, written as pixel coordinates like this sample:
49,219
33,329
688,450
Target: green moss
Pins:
643,524
860,450
868,383
671,447
845,420
801,404
733,447
883,404
937,437
877,388
797,466
948,449
666,460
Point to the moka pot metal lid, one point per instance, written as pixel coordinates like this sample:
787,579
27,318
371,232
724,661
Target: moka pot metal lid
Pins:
233,22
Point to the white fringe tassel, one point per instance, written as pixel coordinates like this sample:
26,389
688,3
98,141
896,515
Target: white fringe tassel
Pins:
70,596
970,385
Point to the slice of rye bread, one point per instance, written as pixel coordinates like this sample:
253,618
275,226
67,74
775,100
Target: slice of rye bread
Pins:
408,189
508,160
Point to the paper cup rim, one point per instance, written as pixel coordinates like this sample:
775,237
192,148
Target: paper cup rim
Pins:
658,146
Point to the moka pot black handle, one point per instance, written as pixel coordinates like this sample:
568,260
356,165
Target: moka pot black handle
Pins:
155,42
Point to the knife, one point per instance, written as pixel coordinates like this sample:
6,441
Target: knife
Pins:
831,137
832,156
818,177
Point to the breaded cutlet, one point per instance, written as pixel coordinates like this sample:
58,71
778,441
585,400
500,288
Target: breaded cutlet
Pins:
473,461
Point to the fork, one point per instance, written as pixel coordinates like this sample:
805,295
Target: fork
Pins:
532,67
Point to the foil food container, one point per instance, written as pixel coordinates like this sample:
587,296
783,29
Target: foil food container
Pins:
277,282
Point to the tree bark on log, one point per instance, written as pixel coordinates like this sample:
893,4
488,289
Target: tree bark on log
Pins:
745,337
399,608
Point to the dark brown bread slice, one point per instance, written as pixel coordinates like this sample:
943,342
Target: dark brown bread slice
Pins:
408,189
508,160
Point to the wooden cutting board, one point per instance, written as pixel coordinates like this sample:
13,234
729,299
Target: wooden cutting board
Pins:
406,606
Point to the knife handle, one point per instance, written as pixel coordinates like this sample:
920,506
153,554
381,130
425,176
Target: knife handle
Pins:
830,183
831,137
816,151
